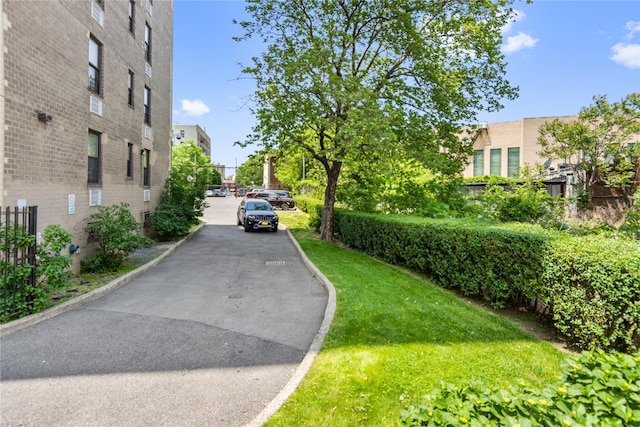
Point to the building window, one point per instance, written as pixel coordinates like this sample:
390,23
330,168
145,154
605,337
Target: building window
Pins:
95,54
147,43
513,162
478,162
101,3
146,173
94,158
129,161
147,105
495,161
130,88
132,11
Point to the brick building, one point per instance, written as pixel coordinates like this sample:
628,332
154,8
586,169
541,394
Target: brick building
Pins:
181,133
85,107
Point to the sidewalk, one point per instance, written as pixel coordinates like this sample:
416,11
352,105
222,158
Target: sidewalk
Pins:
217,332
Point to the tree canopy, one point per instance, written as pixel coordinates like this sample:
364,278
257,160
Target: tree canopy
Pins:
599,143
352,80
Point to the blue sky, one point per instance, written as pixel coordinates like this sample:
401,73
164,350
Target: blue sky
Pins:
560,54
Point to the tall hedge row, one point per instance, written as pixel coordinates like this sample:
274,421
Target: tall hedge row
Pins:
591,286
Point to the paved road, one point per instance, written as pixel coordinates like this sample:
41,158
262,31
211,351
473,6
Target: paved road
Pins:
207,337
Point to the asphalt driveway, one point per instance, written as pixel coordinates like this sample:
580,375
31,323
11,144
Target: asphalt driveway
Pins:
210,336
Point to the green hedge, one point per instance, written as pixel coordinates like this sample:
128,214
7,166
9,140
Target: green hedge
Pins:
313,207
592,287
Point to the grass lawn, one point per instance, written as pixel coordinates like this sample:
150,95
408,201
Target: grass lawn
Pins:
394,337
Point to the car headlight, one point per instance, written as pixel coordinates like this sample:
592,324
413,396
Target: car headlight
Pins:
251,217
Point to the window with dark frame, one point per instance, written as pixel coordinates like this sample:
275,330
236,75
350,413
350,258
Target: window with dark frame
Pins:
93,151
132,16
147,105
146,175
147,42
130,88
129,161
95,54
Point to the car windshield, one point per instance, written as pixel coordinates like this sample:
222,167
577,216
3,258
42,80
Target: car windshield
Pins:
258,206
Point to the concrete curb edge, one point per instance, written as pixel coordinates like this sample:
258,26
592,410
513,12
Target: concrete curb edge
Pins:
303,368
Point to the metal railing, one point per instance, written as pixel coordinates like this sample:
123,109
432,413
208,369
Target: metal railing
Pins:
17,261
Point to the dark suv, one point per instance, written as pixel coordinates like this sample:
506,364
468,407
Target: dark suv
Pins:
274,199
256,214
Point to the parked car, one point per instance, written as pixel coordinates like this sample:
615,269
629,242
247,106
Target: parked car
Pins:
218,193
282,193
274,199
208,193
256,214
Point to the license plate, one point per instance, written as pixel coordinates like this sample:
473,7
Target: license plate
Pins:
264,223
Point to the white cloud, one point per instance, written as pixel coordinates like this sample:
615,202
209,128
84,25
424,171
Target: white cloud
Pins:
633,27
627,55
519,42
517,17
194,108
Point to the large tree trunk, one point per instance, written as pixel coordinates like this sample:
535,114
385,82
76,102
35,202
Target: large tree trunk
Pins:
326,228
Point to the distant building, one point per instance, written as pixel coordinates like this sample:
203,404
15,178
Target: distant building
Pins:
502,149
181,133
85,106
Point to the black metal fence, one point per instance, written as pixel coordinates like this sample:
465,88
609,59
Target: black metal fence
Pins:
17,261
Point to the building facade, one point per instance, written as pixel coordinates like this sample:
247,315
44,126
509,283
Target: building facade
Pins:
85,107
181,133
502,149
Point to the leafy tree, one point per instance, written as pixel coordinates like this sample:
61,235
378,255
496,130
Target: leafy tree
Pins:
190,165
367,78
597,143
251,171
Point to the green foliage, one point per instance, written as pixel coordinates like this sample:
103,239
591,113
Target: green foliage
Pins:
17,296
591,286
597,142
169,221
354,82
596,389
631,223
115,230
313,207
528,201
251,172
191,167
52,261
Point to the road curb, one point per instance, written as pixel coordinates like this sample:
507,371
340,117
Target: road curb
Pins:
303,368
32,319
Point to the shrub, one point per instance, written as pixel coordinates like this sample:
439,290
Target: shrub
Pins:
52,262
313,207
116,232
593,287
168,222
525,202
596,389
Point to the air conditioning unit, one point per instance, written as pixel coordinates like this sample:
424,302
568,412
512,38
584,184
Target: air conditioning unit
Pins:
95,197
